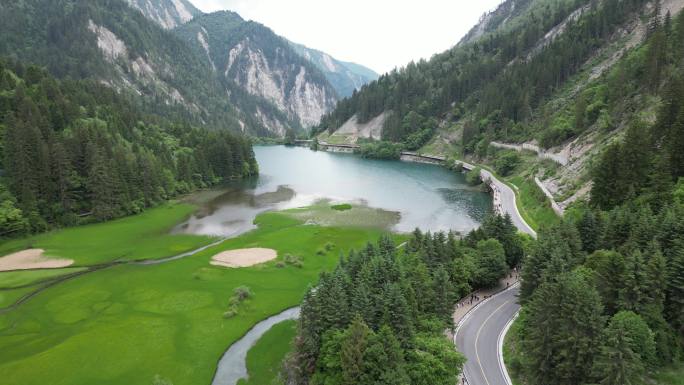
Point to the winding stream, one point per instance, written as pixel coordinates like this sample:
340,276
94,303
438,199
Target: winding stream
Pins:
232,366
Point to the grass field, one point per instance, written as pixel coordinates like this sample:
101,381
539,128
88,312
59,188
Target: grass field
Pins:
533,205
510,353
265,358
14,279
9,296
129,323
144,236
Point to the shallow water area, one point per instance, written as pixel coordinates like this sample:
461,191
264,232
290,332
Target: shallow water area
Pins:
426,196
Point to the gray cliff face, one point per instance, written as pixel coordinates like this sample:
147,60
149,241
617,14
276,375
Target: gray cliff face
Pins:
167,13
260,63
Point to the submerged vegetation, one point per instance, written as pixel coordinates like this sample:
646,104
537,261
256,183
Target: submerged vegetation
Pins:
342,207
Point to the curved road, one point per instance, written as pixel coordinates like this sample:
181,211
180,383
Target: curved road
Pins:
505,197
479,337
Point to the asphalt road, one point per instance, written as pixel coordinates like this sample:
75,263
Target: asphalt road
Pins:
478,338
507,199
508,205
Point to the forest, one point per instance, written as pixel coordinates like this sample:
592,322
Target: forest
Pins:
73,152
380,316
603,294
499,84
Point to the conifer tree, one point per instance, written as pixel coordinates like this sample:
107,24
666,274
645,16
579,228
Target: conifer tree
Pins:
384,360
617,364
352,352
562,323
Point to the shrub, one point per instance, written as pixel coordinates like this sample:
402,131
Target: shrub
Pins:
293,260
232,312
473,177
329,246
380,150
506,163
320,252
342,207
242,293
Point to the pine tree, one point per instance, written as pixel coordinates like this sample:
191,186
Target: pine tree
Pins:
444,297
352,352
562,324
384,360
609,189
638,333
397,314
589,228
101,186
675,288
610,274
617,364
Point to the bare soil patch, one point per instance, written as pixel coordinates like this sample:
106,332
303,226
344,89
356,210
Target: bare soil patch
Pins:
243,257
32,259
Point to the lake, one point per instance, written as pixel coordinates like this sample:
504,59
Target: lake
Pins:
426,196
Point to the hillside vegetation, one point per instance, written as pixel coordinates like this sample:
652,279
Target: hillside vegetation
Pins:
76,151
569,76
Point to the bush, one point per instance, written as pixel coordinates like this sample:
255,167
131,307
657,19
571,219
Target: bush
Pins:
329,246
506,163
473,177
320,252
293,260
232,312
242,293
380,150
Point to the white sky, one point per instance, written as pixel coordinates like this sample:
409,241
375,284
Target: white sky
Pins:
380,34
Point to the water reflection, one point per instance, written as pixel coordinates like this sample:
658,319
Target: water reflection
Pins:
426,196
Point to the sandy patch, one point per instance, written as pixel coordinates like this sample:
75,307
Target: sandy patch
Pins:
243,257
32,259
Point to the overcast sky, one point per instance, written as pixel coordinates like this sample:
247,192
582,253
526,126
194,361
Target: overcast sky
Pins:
380,34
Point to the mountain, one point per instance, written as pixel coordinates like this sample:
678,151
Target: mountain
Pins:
262,63
108,41
561,77
345,77
167,13
117,45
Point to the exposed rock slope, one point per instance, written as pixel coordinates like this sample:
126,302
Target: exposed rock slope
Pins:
263,64
167,13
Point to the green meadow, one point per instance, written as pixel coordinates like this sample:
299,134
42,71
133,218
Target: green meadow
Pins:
144,236
132,323
265,358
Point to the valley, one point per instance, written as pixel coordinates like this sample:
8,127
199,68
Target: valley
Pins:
191,196
177,304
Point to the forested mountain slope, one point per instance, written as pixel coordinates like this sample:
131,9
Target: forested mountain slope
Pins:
77,151
108,41
171,54
568,75
262,64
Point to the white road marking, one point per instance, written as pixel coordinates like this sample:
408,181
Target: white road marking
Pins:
477,338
